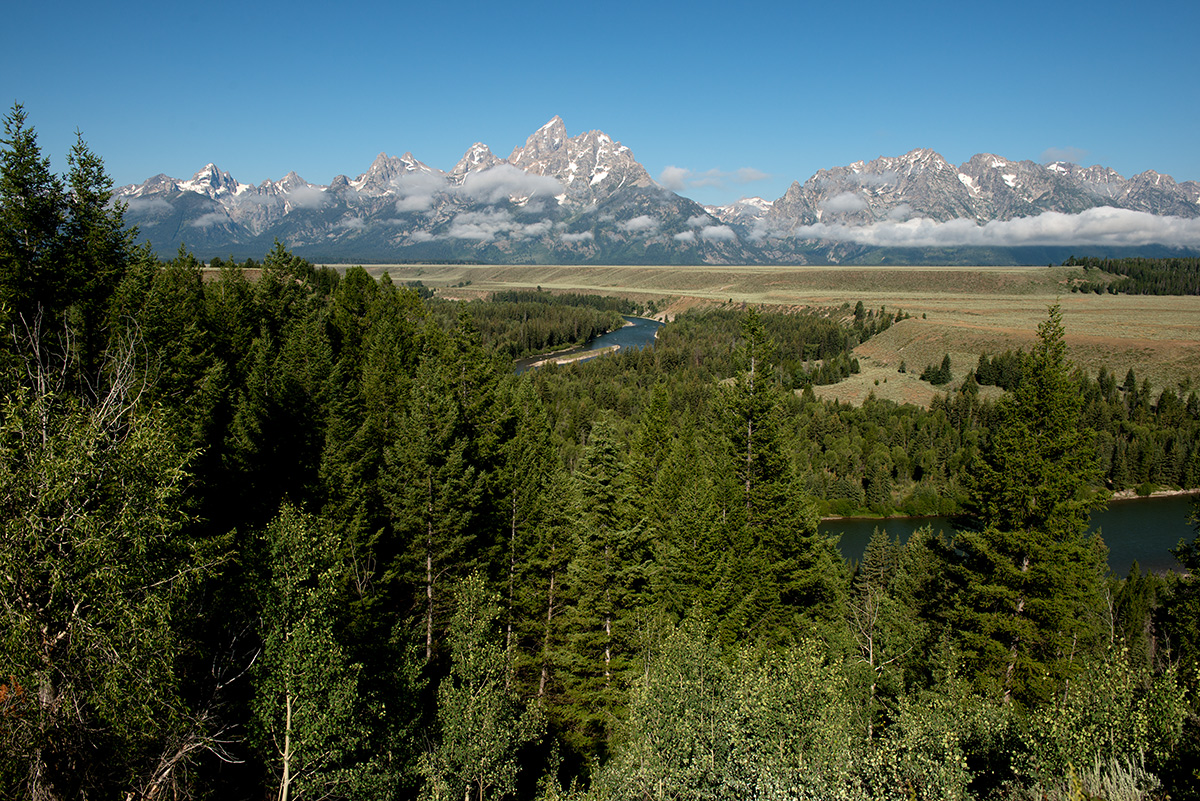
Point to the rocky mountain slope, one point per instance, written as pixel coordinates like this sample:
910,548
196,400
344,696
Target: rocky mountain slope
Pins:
587,199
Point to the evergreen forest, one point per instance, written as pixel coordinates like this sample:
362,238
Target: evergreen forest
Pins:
269,530
1178,275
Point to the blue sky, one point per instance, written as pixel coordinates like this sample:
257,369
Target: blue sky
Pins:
720,92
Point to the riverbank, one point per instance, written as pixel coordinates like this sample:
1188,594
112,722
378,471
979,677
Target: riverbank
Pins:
635,334
578,356
1118,496
1131,495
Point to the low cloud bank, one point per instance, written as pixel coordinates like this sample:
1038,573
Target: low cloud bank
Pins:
678,179
642,224
420,191
147,205
210,219
1100,226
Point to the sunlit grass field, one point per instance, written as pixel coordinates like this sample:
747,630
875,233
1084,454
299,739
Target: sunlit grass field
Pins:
962,311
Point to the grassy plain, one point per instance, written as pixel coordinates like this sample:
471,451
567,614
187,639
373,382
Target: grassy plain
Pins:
962,311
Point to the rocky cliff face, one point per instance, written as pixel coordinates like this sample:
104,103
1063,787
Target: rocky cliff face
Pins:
587,198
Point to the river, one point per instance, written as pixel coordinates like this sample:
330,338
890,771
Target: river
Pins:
639,334
1141,529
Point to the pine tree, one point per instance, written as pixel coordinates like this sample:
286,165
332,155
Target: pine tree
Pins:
609,580
96,250
434,488
526,474
31,218
788,575
1031,576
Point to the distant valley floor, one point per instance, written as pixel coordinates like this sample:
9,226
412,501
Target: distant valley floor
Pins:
960,311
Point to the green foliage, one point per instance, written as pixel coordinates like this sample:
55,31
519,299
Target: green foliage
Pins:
1040,464
1030,580
1140,276
1116,710
482,723
649,520
527,327
938,375
770,725
94,569
306,690
31,216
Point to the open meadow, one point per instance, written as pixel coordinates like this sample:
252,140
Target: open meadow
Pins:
960,311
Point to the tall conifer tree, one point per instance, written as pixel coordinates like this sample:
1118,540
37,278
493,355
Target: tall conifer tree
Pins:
1031,576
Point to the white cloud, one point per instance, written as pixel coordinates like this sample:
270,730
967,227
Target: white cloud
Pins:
748,175
414,203
674,178
685,236
640,225
353,223
481,226
504,181
698,221
678,179
212,218
876,178
718,233
537,228
846,201
147,205
899,213
486,225
416,191
582,236
1099,226
307,197
422,236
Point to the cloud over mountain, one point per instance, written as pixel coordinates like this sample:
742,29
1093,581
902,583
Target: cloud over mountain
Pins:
1106,226
586,198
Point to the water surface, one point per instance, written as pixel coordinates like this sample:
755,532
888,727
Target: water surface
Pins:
639,334
1143,529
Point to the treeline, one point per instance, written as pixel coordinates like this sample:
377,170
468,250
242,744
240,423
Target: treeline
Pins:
598,302
878,458
308,536
1140,276
524,328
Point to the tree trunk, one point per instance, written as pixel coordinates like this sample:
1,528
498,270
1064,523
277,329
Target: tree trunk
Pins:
512,571
1012,654
429,573
749,444
40,788
546,637
285,784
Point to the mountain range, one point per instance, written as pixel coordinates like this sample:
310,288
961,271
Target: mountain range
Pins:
586,199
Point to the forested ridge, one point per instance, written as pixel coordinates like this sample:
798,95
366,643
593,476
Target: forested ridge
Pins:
1139,276
309,536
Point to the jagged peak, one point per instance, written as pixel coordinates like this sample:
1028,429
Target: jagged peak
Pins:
211,172
381,162
478,156
547,139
